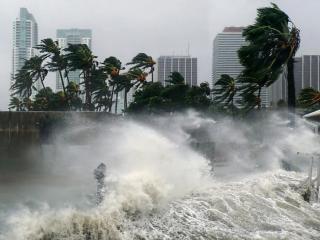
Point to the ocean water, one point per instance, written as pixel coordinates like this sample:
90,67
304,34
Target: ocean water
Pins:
158,187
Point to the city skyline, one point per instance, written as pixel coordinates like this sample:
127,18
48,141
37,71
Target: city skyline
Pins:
135,33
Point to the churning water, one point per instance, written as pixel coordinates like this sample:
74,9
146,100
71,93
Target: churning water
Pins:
158,187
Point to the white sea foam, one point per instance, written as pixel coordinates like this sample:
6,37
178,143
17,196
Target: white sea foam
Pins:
160,188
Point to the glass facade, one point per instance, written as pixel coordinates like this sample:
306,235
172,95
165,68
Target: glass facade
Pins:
72,36
187,66
25,38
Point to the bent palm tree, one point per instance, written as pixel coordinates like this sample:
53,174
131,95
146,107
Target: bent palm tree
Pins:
112,67
50,49
143,61
224,91
273,41
34,66
23,84
80,57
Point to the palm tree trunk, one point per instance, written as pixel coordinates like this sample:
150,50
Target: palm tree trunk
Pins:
116,106
259,99
125,99
291,86
42,83
87,90
62,82
111,102
67,76
152,77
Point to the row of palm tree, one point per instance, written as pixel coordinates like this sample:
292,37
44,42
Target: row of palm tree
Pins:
102,81
272,42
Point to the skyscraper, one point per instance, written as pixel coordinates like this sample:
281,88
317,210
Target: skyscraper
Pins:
187,66
306,75
226,60
25,38
72,36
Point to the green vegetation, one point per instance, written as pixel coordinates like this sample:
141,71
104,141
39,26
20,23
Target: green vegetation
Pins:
175,96
102,82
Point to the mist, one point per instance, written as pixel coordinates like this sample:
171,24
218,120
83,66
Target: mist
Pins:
152,165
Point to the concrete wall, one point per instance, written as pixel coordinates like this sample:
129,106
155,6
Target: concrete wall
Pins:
35,121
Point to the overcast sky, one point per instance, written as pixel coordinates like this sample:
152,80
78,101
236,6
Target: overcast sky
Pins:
124,28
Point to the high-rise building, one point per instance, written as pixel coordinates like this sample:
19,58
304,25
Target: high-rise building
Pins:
307,72
226,61
72,36
25,38
306,75
187,66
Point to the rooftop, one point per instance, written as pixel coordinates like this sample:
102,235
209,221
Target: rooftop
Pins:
233,29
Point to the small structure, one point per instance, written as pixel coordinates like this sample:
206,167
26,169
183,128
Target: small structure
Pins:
312,121
99,175
311,194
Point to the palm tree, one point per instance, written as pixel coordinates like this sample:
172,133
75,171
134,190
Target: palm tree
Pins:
112,67
80,57
15,103
125,85
23,84
50,49
100,89
224,91
309,97
143,61
34,66
137,76
273,41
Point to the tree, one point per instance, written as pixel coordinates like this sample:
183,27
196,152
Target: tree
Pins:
34,66
137,76
16,103
224,91
58,63
124,84
309,97
273,41
176,96
113,66
101,92
47,100
148,99
80,57
23,84
143,61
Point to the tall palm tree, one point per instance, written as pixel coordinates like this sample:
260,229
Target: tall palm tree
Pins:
125,85
112,67
100,89
143,61
58,63
80,57
273,41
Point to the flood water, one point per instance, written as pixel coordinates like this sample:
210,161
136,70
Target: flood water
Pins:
158,185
